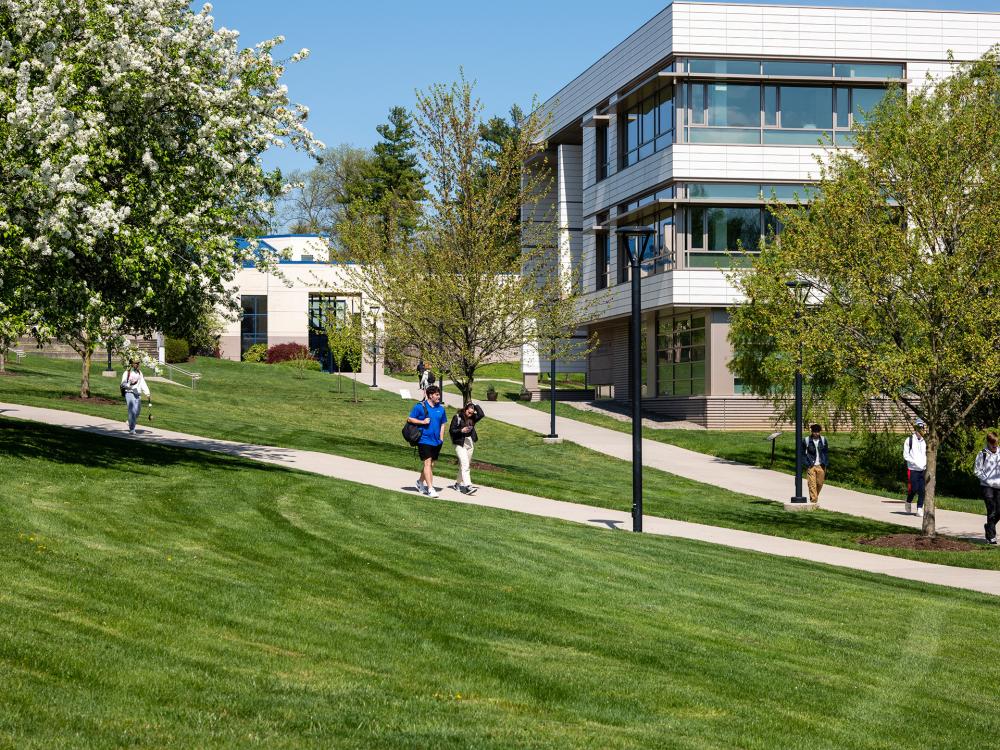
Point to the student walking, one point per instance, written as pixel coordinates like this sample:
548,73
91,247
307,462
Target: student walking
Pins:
988,471
464,437
421,369
816,456
133,386
915,455
429,414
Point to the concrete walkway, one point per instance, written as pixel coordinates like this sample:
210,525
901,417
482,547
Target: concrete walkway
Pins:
719,472
389,478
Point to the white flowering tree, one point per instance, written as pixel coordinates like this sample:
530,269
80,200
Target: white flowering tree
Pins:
131,133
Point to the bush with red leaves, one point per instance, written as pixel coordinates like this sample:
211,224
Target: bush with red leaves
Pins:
285,352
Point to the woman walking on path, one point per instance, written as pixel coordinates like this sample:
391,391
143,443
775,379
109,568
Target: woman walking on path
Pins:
133,385
430,416
463,435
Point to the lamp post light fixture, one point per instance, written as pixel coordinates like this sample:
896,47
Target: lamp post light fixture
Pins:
635,257
375,311
800,289
552,395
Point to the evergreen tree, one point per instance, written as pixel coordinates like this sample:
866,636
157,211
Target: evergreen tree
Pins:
396,177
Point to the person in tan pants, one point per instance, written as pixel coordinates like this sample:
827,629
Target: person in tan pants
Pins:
816,457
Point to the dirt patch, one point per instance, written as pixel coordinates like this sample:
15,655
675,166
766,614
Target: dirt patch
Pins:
93,400
918,542
483,466
7,372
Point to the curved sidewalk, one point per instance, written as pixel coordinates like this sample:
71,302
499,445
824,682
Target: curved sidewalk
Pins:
388,478
718,472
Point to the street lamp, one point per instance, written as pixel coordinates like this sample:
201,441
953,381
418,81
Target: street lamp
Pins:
552,394
800,291
635,258
374,346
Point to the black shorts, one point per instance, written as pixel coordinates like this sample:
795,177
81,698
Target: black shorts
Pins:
428,451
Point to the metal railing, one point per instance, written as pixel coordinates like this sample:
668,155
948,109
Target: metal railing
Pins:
194,376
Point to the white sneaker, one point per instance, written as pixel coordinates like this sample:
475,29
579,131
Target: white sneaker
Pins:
909,508
920,512
421,487
131,432
431,492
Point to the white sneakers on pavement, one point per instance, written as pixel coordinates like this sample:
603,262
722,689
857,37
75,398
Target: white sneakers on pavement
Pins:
431,492
920,512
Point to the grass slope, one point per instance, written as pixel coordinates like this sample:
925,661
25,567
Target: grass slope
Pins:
158,598
270,405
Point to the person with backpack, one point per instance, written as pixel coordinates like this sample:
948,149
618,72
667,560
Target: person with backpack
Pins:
133,385
464,437
915,455
429,415
816,457
988,471
421,368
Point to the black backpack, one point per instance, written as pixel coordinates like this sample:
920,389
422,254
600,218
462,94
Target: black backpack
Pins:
413,432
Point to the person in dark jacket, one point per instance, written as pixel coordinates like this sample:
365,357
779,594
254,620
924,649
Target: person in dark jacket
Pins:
463,435
816,457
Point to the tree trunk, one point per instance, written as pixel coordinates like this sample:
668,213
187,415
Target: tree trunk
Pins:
930,529
466,389
85,374
3,361
354,381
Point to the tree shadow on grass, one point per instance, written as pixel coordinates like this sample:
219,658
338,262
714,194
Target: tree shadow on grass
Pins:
29,440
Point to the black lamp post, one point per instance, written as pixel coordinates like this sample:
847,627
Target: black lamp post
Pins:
374,346
800,290
635,258
552,394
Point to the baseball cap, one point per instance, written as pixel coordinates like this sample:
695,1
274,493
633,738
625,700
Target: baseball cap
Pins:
919,423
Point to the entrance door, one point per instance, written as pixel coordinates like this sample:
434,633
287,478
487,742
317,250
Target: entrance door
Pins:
321,308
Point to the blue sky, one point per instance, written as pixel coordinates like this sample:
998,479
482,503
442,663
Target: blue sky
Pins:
369,56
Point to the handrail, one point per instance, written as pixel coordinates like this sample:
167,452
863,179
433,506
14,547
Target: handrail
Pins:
195,376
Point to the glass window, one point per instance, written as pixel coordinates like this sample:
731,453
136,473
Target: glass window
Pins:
253,326
602,152
733,105
843,108
603,251
864,101
723,190
680,355
869,70
649,126
624,269
732,229
726,67
806,107
724,135
697,103
794,137
784,68
770,106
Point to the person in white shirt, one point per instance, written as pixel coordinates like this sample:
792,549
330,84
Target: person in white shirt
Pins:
915,455
988,471
133,386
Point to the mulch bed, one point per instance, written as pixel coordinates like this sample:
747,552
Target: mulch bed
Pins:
93,400
8,372
918,542
474,464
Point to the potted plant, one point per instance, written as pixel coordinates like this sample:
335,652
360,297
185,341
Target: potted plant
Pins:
491,394
525,394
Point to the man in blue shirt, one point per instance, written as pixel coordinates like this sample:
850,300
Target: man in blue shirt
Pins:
429,414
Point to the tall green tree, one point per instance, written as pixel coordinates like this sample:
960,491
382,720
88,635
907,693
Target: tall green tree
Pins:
132,133
396,179
902,245
463,288
498,134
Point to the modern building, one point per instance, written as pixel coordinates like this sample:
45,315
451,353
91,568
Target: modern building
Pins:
291,304
690,126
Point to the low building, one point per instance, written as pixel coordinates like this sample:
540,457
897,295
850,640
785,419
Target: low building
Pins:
689,127
290,305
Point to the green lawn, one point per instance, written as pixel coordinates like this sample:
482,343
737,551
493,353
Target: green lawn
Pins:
850,465
159,598
272,405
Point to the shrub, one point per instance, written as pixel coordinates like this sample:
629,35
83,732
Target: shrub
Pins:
302,363
176,350
256,353
285,352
